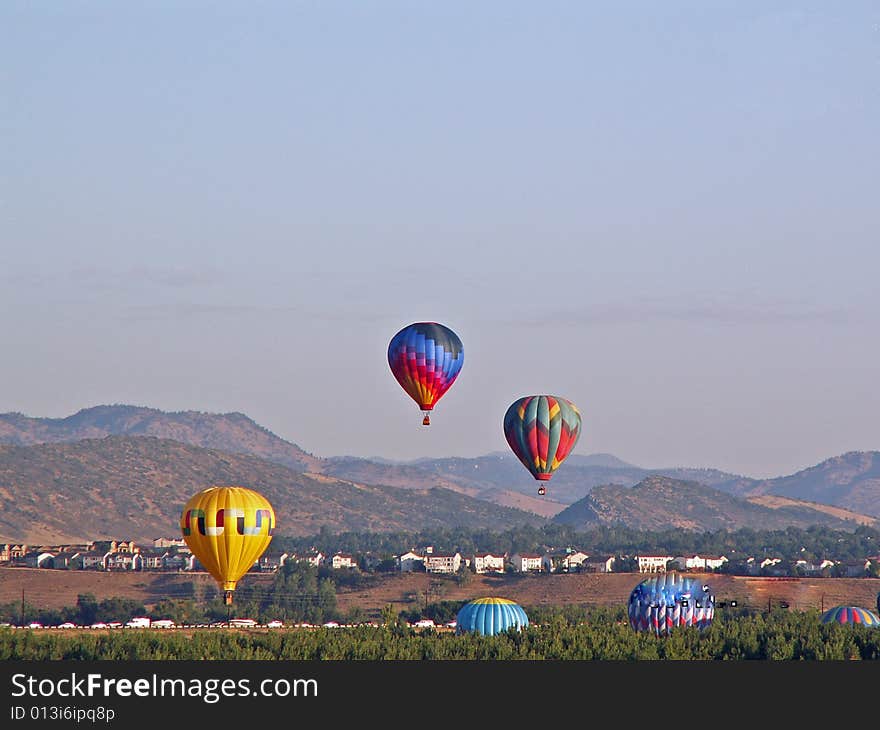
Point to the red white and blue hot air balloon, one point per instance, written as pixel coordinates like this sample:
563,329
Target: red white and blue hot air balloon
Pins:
425,358
668,601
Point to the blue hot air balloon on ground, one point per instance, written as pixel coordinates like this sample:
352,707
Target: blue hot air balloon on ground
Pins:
667,601
489,616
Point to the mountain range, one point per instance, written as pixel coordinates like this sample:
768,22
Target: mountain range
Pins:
126,471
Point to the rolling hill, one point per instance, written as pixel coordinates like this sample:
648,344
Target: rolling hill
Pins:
851,481
134,487
660,503
494,483
233,432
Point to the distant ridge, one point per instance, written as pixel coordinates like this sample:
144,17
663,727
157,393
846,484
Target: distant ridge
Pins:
134,487
661,503
850,481
233,432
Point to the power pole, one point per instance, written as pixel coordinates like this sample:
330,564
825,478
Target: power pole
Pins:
21,616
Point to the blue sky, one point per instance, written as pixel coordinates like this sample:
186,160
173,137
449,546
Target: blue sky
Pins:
664,212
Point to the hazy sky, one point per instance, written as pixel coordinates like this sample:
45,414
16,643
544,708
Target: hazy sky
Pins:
664,212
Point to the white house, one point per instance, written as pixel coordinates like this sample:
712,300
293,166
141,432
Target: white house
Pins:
119,561
653,563
343,560
271,562
442,563
697,562
317,558
93,560
38,559
488,563
526,562
149,559
565,561
410,561
598,564
771,565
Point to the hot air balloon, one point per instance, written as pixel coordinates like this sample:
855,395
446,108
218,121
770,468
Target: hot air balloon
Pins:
850,615
662,603
426,358
542,430
489,616
227,529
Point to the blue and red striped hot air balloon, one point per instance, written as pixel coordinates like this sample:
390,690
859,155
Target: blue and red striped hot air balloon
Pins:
425,358
850,615
542,430
662,603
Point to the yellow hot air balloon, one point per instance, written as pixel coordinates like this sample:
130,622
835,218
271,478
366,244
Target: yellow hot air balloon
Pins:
227,529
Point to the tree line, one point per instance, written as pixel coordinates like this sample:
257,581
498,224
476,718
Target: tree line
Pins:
553,634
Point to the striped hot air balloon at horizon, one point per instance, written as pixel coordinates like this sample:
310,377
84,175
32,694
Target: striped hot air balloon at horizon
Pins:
661,604
850,615
425,358
542,430
227,529
489,616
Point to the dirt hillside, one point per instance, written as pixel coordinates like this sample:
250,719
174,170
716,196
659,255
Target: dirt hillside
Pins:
57,589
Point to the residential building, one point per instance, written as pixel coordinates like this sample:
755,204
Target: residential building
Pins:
10,552
37,559
410,561
313,558
93,560
700,563
488,563
598,564
442,562
564,561
653,563
271,562
119,561
67,560
343,560
526,562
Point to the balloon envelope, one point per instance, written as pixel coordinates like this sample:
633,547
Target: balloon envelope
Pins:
542,430
664,602
227,529
425,358
488,616
850,615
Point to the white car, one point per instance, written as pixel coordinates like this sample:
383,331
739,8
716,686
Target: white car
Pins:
98,625
275,624
424,623
35,625
66,625
163,623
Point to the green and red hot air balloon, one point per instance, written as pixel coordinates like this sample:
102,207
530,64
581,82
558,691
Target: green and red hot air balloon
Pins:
542,430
